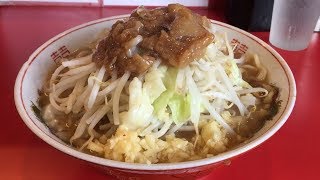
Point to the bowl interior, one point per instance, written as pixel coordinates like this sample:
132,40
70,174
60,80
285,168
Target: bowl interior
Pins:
34,72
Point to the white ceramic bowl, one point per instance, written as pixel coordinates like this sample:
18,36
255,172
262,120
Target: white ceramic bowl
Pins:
33,73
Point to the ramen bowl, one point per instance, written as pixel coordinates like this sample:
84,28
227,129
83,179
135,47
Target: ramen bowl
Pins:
35,70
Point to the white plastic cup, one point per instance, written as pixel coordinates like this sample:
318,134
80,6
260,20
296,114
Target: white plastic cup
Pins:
293,22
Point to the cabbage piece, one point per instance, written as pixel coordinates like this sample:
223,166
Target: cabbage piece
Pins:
180,107
235,75
153,84
140,108
178,104
161,103
170,77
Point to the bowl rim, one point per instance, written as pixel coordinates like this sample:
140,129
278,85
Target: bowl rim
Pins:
163,166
